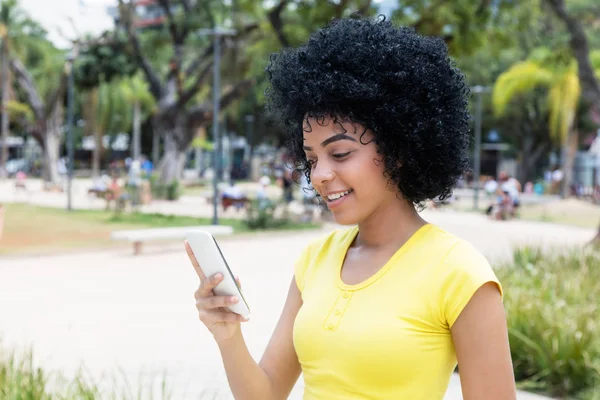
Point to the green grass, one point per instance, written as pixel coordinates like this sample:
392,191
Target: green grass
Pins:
21,379
41,229
553,308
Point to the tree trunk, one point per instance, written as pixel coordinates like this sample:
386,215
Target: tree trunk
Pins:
51,150
92,129
51,146
569,152
5,98
97,154
529,156
170,126
137,132
172,162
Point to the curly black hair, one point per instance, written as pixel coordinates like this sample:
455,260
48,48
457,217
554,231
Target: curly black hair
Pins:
402,86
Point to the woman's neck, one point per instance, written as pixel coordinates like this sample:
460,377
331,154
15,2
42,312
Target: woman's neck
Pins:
391,225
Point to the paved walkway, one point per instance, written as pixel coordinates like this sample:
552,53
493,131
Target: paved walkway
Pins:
111,309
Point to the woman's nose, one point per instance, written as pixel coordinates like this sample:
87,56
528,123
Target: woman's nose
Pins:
322,173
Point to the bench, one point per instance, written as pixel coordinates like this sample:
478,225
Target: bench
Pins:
138,236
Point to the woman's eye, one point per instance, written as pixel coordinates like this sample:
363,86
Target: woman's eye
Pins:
341,155
311,163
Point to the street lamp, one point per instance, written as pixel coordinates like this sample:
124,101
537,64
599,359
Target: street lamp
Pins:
217,32
70,116
478,90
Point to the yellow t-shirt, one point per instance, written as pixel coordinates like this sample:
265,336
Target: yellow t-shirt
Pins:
389,336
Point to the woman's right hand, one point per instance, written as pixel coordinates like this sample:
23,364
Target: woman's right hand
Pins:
212,311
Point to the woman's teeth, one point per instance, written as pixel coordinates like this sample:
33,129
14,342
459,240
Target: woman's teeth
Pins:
336,196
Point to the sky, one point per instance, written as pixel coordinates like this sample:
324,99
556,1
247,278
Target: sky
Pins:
89,16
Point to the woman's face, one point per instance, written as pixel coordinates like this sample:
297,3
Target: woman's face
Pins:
348,174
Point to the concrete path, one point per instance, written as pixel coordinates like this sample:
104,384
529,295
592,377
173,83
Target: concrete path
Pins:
111,310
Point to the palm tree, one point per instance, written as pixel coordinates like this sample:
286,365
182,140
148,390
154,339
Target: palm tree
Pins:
42,82
137,92
557,72
106,111
16,29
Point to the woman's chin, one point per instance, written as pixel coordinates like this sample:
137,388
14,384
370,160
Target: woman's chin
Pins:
345,218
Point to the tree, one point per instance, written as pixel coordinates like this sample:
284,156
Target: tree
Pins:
187,73
557,72
107,109
463,24
135,90
581,52
16,31
42,83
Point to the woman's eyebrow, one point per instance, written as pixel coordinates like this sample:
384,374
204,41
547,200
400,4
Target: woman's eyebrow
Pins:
334,138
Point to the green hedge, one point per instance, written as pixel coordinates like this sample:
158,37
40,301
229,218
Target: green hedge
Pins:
553,309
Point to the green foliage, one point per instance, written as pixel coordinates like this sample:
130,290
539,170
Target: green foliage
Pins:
135,89
20,110
553,319
262,215
21,379
26,40
170,192
550,69
102,60
464,24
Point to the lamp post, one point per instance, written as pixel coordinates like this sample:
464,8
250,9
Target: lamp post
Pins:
70,117
478,90
217,33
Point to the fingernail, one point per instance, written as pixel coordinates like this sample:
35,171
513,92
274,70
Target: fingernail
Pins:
218,276
245,318
233,299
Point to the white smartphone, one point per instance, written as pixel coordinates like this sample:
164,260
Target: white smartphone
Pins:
211,261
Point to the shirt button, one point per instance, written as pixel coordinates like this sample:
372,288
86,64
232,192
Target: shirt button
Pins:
330,325
338,312
345,295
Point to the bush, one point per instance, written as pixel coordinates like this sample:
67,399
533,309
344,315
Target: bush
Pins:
552,302
261,215
169,192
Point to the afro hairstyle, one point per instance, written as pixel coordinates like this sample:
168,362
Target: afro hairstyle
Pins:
400,85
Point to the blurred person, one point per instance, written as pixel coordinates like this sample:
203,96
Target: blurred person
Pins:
512,187
528,187
557,178
490,186
378,122
147,167
21,180
233,195
262,194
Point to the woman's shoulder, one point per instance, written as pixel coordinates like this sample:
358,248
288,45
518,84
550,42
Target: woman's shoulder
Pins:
321,248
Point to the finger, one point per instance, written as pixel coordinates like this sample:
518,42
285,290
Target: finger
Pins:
195,263
217,302
214,317
237,279
207,285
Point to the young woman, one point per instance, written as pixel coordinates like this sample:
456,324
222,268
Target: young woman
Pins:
378,122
